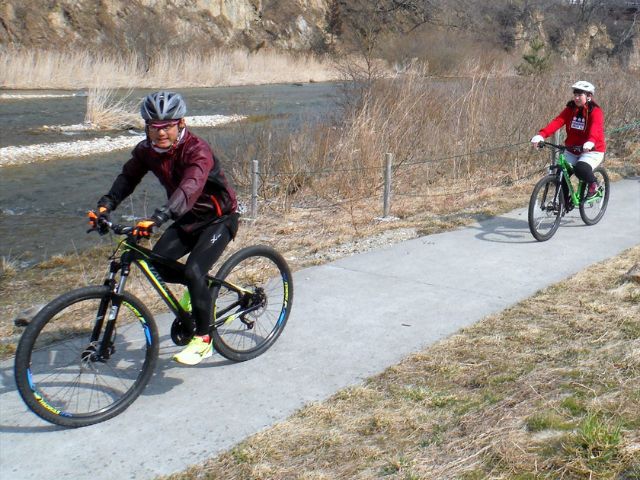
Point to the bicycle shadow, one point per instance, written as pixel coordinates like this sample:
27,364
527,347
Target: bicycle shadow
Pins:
503,230
515,230
15,416
163,380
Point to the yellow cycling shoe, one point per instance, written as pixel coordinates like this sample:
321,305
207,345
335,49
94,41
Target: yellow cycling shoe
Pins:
197,350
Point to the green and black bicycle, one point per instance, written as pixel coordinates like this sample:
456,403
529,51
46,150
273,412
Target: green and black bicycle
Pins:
550,199
87,355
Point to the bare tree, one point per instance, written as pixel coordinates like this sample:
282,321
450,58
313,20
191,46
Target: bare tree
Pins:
334,21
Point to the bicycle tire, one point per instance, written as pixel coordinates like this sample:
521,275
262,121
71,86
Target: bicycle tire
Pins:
265,287
544,215
60,379
592,212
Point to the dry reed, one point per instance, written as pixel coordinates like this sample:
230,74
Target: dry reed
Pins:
108,110
75,70
446,136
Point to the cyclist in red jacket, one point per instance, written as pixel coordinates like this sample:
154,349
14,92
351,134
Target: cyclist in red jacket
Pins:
584,124
200,201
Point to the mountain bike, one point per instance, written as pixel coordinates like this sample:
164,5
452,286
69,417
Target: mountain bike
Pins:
87,355
550,199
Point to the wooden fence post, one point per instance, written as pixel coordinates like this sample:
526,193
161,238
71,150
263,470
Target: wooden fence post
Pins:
255,168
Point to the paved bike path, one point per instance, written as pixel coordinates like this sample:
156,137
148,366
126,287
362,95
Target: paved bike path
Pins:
351,319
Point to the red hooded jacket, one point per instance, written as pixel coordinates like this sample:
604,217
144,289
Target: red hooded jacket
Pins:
582,125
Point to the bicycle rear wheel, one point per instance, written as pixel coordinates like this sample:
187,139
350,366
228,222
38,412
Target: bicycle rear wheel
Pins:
253,303
545,208
593,210
58,369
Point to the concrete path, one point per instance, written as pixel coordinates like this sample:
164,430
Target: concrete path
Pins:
351,319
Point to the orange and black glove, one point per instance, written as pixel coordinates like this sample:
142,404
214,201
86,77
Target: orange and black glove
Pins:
98,221
144,228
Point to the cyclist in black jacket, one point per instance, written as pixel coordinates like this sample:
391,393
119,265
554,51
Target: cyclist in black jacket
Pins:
200,201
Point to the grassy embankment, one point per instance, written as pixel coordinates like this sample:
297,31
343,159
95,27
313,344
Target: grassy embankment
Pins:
547,389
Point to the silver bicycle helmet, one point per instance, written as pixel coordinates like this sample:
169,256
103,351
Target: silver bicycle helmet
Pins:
163,105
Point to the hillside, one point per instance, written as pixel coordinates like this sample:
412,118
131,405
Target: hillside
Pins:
397,30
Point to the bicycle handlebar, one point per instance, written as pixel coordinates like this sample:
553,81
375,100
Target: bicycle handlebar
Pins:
114,227
562,148
120,229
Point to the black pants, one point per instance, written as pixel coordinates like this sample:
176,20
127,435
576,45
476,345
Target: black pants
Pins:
206,245
584,172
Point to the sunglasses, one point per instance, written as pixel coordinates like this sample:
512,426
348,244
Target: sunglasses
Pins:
163,125
580,92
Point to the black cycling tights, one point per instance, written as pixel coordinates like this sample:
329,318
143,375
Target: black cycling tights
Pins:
205,246
584,172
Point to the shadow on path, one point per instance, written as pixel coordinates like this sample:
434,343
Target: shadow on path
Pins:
516,230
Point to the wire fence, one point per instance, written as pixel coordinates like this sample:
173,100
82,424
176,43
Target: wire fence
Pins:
391,173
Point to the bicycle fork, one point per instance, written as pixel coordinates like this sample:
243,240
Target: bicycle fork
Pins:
102,350
555,200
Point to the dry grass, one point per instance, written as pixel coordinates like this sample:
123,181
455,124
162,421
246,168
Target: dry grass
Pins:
108,110
73,70
446,136
546,389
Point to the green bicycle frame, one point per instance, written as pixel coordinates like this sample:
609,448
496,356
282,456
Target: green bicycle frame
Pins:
567,169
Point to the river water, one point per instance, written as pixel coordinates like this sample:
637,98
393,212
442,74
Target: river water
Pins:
43,205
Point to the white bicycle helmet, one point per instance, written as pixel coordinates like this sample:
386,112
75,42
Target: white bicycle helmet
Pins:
584,86
163,106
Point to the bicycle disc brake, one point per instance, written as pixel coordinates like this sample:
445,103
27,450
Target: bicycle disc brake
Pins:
90,355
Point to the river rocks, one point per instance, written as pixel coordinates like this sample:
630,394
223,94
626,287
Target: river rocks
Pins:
81,148
24,317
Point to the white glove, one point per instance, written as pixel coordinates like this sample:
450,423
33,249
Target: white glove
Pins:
588,146
537,139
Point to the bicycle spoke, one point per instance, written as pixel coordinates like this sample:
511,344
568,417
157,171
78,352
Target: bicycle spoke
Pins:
593,210
252,306
545,208
74,385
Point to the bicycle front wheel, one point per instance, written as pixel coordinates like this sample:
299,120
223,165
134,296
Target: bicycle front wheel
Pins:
592,210
545,208
65,377
251,298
